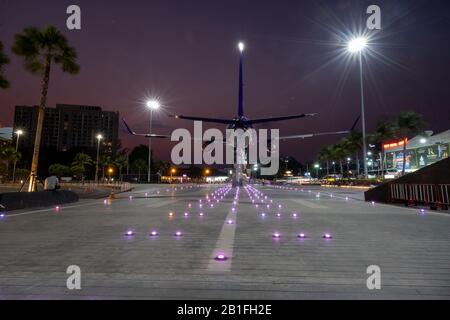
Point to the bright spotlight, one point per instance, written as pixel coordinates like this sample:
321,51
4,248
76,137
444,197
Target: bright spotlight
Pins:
153,104
241,47
357,44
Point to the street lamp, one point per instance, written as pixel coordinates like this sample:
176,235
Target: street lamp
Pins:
153,105
357,46
99,138
18,133
110,172
172,172
317,166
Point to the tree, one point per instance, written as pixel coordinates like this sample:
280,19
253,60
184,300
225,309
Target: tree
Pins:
354,145
325,155
8,155
382,133
81,161
3,60
407,123
40,49
338,153
120,162
140,164
59,170
104,161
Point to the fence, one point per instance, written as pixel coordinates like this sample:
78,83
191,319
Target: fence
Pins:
90,186
428,194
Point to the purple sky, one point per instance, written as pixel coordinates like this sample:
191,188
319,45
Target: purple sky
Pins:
185,53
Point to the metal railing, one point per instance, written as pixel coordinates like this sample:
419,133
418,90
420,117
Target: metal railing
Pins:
428,194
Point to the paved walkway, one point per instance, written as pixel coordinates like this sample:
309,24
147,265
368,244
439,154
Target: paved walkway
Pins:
412,249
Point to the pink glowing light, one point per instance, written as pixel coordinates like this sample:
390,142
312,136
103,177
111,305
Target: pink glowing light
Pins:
129,233
230,221
276,235
178,234
327,236
221,257
302,236
154,234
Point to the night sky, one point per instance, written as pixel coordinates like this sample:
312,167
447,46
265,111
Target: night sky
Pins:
185,53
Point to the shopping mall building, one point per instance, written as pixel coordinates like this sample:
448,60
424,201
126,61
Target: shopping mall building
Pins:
421,151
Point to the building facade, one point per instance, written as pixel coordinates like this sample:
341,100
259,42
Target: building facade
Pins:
68,126
421,151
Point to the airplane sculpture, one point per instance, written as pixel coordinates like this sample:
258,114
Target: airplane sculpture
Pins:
244,123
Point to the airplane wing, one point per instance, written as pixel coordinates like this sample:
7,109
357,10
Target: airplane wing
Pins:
147,135
211,120
310,135
265,120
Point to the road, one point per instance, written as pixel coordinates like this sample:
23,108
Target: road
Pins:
412,249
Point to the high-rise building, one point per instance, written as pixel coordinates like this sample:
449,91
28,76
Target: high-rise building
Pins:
68,126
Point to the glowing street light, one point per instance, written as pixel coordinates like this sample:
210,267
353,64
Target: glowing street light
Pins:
99,138
357,46
317,166
153,105
172,172
241,46
18,133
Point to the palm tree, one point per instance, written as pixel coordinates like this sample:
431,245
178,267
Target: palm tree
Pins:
3,60
325,155
354,145
382,133
79,164
8,155
120,162
104,161
338,153
407,123
39,49
140,164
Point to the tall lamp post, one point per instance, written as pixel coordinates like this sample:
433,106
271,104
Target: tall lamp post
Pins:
317,166
357,46
99,138
18,133
153,105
